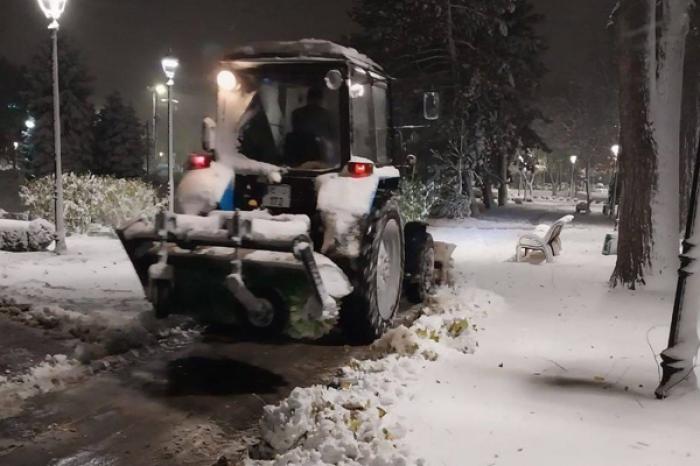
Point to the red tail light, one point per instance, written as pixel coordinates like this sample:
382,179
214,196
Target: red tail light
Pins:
199,161
360,169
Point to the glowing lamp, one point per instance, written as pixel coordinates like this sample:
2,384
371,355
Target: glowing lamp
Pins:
200,161
226,80
360,169
53,9
170,66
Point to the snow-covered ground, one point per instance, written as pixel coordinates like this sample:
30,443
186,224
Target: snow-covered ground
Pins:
564,372
94,274
90,299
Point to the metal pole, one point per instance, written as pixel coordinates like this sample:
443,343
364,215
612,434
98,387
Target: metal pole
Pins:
573,165
154,134
171,181
58,181
677,361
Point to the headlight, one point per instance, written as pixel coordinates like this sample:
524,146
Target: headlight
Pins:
226,80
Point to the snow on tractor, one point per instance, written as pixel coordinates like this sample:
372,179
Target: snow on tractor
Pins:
290,218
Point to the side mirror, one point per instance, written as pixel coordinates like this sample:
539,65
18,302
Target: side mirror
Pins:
208,134
431,105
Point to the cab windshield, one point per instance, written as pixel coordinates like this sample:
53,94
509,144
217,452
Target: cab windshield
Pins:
292,117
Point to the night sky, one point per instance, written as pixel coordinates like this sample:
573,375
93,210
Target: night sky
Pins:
122,41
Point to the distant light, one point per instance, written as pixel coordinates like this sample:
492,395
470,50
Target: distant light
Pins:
170,66
161,154
226,80
573,159
615,150
30,123
53,9
15,145
160,89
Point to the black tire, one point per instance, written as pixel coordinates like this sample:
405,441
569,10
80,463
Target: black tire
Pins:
161,294
422,269
368,312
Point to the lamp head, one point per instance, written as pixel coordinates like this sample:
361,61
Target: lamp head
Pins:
53,9
615,150
226,80
170,65
573,159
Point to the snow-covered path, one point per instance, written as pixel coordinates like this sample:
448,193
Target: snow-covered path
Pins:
564,373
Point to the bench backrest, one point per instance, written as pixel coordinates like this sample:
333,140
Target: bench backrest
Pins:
555,230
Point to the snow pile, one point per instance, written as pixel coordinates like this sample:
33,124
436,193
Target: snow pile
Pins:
353,422
200,191
343,202
18,235
54,373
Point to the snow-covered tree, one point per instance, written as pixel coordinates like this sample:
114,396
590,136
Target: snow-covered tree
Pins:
120,146
652,39
77,113
482,55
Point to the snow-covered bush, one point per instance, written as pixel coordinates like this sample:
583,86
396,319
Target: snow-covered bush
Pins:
417,199
91,199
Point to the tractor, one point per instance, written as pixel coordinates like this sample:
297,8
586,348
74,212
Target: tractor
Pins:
292,207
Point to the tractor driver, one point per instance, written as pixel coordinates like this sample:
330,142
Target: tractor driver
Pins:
313,139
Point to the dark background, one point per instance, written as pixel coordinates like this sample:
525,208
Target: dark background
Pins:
122,42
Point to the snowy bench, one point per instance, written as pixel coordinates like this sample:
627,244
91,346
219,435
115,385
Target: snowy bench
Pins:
549,244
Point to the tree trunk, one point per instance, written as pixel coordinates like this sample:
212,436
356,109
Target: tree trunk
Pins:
652,43
637,158
672,19
690,112
588,184
503,187
486,192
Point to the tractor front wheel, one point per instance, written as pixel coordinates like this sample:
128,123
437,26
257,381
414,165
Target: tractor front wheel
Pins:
370,310
422,269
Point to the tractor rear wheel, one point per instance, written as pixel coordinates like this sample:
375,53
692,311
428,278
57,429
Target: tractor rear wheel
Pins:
370,310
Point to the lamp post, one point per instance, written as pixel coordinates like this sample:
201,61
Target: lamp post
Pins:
573,159
156,91
170,65
615,149
53,9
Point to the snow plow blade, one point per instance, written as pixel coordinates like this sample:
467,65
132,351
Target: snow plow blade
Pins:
237,253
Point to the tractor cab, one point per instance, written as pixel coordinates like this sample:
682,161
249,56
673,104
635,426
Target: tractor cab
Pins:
307,108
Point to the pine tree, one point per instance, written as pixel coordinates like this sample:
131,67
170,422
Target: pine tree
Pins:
77,113
12,112
482,55
120,147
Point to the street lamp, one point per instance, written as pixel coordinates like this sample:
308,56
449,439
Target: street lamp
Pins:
53,9
30,124
156,91
170,65
573,159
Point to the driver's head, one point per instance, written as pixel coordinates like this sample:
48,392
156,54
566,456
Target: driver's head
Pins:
314,96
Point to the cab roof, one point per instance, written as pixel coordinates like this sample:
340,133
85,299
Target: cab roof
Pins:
311,49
